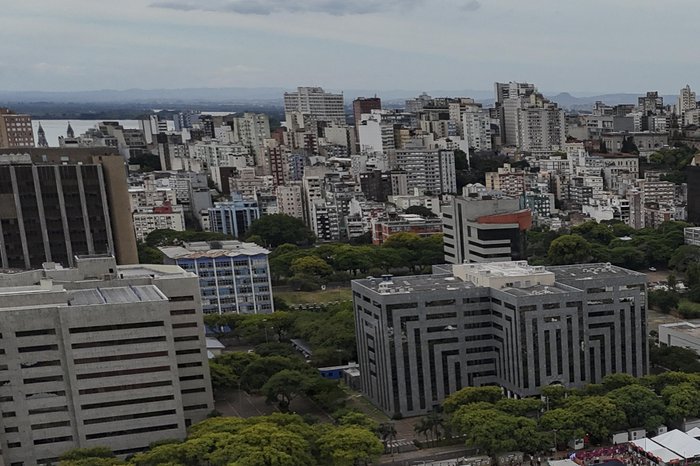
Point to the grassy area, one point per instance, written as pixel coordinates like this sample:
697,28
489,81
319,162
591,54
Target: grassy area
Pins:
314,297
688,309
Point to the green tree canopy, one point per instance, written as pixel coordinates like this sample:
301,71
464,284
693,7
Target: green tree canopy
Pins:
280,229
350,446
469,395
569,249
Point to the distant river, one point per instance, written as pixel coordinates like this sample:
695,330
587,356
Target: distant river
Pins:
56,128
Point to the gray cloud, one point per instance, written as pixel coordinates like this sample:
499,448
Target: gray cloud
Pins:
471,5
266,7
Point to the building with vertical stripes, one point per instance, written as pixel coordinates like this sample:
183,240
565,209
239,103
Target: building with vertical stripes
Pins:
58,203
233,276
510,324
99,355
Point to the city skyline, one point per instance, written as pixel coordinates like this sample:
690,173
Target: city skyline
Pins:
447,44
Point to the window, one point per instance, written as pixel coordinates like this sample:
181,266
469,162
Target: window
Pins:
141,370
110,404
121,357
118,388
125,341
34,333
41,441
193,407
141,430
34,349
181,298
107,328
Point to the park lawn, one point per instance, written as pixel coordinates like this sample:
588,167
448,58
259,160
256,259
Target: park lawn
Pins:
314,297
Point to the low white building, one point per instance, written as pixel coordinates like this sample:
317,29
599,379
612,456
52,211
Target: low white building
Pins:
692,236
681,334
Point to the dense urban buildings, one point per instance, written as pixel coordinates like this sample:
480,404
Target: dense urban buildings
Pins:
59,203
233,276
509,324
99,355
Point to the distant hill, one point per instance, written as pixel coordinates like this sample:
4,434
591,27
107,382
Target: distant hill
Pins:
566,100
273,96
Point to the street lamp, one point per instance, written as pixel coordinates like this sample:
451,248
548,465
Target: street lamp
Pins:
266,339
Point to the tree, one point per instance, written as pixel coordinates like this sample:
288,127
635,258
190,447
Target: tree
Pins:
682,401
519,407
628,146
222,377
311,265
279,229
569,249
93,456
284,386
356,418
461,160
674,358
349,446
597,415
619,380
258,372
263,444
421,210
387,432
642,407
469,395
494,431
664,300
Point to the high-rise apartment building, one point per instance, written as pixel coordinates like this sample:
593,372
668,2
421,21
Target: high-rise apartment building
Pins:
56,203
528,120
233,276
290,200
99,355
484,230
233,217
364,105
686,101
510,324
319,105
15,129
428,170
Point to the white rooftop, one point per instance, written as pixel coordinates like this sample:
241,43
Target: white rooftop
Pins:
512,274
213,249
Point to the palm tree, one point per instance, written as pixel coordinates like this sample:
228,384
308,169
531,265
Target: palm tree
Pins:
387,431
435,422
423,428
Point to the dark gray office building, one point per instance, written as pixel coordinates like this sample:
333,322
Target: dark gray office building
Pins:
59,203
509,324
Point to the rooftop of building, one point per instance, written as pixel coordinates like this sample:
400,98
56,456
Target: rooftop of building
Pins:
517,278
407,284
213,249
592,271
53,154
691,328
115,295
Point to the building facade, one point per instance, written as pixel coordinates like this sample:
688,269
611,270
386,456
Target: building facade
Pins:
429,171
99,355
59,203
484,230
15,129
233,276
233,217
520,327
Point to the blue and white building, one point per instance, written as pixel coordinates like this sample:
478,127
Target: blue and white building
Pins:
233,276
233,217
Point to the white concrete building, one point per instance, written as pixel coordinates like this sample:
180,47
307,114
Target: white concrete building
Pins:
427,170
99,355
321,106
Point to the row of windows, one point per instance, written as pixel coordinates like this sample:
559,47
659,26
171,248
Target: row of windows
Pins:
111,404
107,328
140,370
129,416
121,357
131,431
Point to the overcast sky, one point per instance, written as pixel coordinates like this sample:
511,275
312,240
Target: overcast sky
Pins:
582,46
